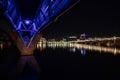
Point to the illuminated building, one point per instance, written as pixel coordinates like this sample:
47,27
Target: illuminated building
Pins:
42,40
82,36
72,38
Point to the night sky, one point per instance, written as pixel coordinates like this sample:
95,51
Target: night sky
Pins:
94,17
98,18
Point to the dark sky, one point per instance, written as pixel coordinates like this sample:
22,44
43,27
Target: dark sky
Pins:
93,17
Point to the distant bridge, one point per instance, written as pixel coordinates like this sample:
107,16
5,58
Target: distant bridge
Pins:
97,39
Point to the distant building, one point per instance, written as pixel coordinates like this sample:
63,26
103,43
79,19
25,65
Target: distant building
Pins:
43,40
64,39
83,36
72,38
51,40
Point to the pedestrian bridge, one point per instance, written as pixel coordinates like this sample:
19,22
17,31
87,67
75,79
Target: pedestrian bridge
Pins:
29,17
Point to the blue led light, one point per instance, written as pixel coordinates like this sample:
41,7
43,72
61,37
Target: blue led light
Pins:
27,22
27,28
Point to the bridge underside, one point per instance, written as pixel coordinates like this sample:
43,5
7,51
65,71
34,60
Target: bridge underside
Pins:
28,17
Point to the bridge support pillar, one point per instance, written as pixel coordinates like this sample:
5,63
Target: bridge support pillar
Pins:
24,51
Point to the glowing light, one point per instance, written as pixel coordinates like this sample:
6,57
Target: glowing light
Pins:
41,49
1,46
27,22
83,51
74,50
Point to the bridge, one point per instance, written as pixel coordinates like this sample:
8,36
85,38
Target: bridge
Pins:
97,39
29,18
109,41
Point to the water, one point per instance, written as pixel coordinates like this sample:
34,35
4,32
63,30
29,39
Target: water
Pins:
58,62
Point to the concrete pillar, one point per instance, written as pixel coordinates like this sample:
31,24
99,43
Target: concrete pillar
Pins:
20,44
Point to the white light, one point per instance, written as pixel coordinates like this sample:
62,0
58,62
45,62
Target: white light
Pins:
27,22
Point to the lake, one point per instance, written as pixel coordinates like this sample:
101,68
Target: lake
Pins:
58,62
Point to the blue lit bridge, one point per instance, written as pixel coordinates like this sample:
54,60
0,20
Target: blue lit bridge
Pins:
29,18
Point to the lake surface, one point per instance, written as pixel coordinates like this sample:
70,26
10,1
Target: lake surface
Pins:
55,62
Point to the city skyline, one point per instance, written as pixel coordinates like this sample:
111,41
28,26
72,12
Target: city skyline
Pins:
95,18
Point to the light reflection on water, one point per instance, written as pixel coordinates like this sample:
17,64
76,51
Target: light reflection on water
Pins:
81,47
97,48
46,63
1,46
